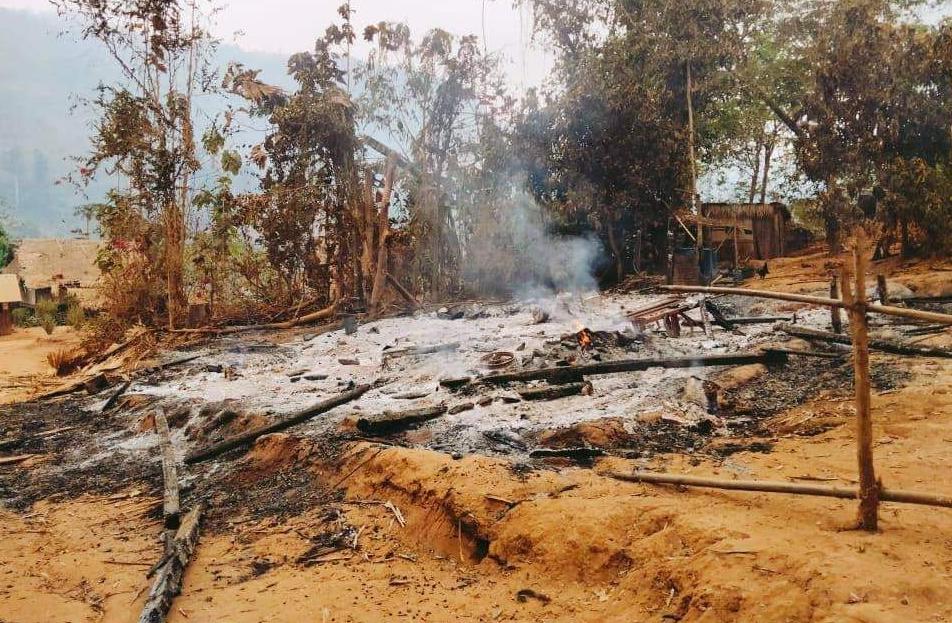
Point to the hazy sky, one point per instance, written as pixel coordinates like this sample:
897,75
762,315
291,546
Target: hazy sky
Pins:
287,26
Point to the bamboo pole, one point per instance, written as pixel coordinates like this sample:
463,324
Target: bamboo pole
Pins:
778,486
900,312
836,320
868,485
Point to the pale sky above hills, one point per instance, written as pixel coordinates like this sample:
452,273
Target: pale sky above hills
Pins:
288,26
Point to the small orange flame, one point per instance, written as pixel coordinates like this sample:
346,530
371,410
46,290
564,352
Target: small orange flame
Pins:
584,338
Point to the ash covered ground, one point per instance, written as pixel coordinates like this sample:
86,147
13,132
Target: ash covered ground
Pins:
247,380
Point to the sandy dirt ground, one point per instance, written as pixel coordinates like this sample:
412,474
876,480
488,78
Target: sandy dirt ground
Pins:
418,536
23,360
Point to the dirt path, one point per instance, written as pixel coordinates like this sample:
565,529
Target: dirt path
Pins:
23,359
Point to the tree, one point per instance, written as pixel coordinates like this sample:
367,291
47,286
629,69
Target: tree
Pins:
7,247
433,98
873,123
617,134
306,214
145,133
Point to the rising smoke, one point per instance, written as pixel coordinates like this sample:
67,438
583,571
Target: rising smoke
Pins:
513,251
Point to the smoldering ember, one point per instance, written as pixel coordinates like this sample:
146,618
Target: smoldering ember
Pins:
529,310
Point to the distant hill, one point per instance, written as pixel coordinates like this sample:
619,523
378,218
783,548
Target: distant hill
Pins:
44,75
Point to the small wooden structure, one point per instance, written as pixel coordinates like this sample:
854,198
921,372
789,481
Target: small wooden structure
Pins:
758,229
10,296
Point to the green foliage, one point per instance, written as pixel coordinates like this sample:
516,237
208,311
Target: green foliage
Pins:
75,315
23,317
610,147
45,311
304,219
875,118
7,248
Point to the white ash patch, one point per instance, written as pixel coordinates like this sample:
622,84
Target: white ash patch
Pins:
261,380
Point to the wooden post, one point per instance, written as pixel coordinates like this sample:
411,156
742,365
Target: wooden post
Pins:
171,507
868,486
736,243
835,319
881,290
6,319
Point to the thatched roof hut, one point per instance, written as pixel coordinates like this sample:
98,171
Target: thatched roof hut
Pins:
47,265
762,227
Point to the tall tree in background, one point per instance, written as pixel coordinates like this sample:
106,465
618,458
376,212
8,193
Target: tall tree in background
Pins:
618,132
145,133
431,98
873,125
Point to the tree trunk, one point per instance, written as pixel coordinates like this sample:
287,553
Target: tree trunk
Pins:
768,153
693,189
616,253
383,237
755,174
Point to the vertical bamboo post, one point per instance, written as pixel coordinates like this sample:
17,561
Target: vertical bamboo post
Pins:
882,291
868,486
835,319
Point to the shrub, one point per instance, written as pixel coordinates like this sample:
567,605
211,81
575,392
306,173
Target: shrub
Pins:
75,316
46,315
24,317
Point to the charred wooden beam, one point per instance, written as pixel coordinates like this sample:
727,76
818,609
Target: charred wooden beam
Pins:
171,508
886,346
719,318
554,392
116,396
634,365
298,418
390,422
168,582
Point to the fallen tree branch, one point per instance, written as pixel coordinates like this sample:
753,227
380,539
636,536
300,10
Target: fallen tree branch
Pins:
168,582
775,486
403,291
886,346
298,418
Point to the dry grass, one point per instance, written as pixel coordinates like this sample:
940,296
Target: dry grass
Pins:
66,360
